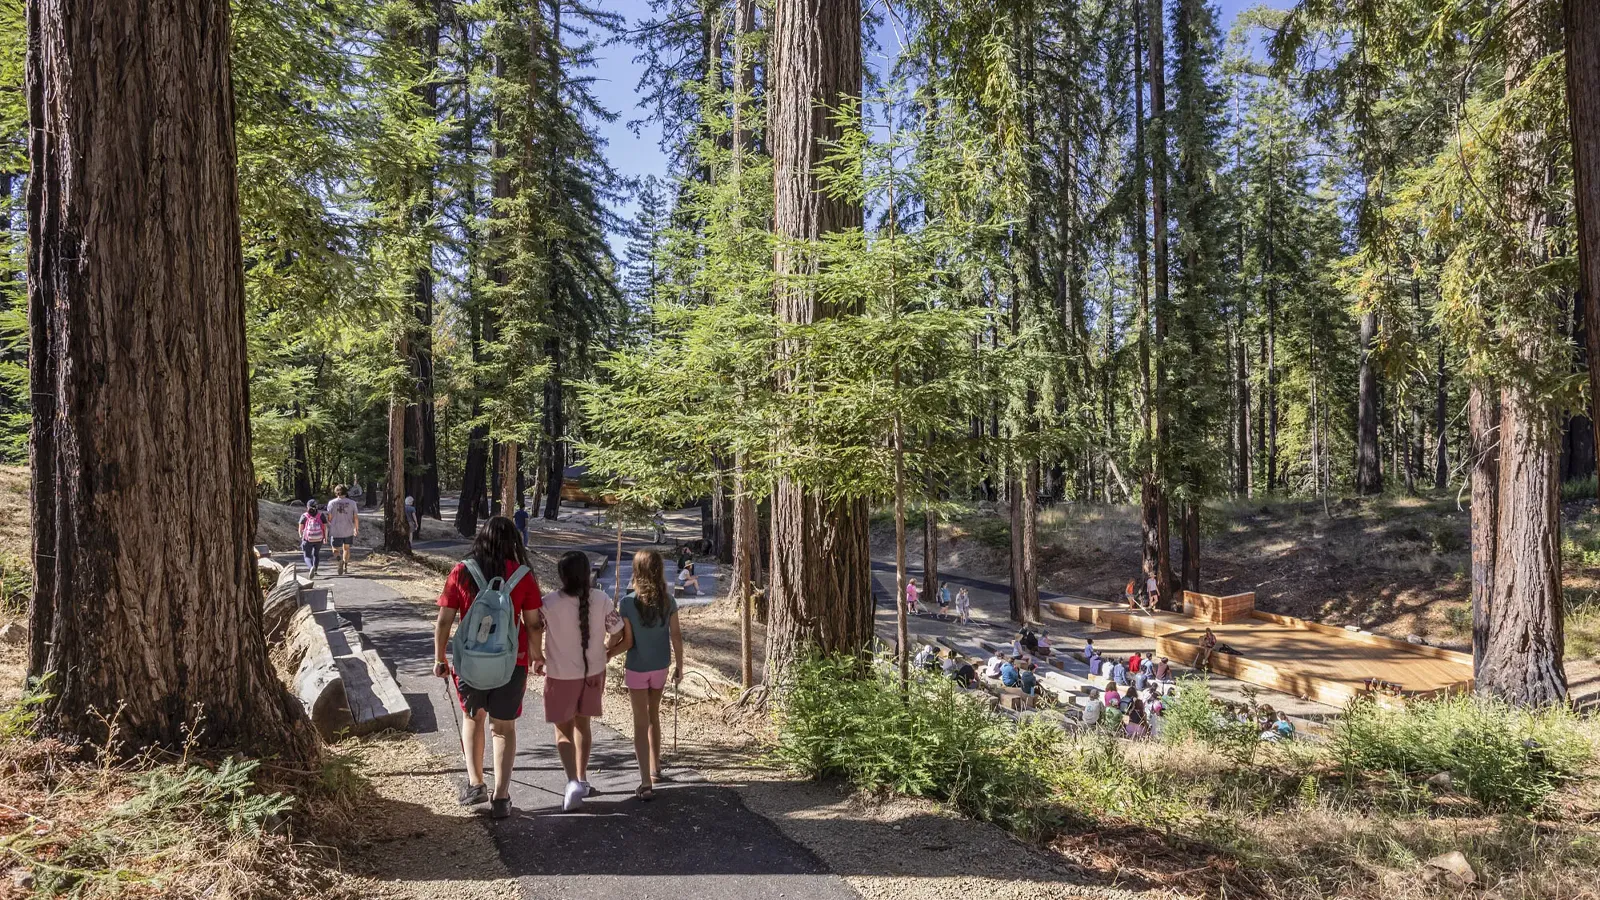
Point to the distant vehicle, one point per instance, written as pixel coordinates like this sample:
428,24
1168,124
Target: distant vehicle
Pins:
574,488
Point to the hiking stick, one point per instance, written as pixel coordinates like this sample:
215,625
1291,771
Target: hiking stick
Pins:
452,699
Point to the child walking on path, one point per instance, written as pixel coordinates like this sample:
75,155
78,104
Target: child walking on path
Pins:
581,633
654,641
964,606
313,531
496,553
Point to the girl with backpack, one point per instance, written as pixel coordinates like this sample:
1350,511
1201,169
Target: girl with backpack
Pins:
491,586
582,632
313,531
651,635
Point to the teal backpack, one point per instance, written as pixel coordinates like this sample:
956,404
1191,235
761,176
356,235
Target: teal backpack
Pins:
484,648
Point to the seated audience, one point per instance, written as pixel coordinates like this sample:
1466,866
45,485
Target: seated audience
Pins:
1134,662
1008,674
1111,697
926,658
1027,679
1111,719
991,669
1138,724
1093,709
1119,672
1163,670
1279,729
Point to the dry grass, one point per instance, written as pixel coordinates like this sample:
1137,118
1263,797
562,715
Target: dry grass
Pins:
79,822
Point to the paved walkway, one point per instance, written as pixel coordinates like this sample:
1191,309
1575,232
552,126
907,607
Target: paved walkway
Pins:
695,840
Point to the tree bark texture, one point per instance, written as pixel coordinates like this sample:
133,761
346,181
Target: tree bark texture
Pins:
1369,464
1159,166
821,575
510,487
396,528
1522,660
1583,110
422,447
139,379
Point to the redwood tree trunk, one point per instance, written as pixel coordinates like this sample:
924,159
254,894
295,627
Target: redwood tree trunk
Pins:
1522,660
821,576
1191,549
396,529
422,475
1369,465
1159,166
136,323
1583,109
746,551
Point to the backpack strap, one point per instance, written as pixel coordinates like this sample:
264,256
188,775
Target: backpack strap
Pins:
477,573
515,577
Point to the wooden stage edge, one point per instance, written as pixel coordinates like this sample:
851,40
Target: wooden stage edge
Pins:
1177,637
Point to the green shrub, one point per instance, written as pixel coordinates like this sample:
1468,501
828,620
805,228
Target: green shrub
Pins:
1447,538
1580,489
1582,625
16,581
1503,757
16,720
1193,714
992,532
226,796
934,743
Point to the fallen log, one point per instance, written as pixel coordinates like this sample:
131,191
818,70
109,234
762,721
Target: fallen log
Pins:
344,686
281,601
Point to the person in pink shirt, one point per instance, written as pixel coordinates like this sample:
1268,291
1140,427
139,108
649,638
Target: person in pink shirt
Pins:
582,631
911,597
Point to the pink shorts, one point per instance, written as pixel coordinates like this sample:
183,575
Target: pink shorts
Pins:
654,680
567,698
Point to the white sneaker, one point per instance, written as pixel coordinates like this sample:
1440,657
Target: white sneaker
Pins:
576,791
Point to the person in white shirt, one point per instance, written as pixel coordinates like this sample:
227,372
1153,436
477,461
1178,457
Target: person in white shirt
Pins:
991,669
1093,709
688,582
344,525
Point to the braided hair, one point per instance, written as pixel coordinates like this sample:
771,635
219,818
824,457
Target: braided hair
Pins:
574,571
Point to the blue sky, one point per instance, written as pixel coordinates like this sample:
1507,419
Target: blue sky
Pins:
617,78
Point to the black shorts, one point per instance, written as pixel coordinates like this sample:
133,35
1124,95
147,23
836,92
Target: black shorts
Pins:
503,702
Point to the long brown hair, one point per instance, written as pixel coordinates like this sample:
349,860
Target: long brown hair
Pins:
650,587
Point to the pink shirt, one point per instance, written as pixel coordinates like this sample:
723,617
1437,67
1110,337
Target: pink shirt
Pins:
563,643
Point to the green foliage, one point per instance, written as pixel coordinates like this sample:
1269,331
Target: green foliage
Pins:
1575,490
1503,757
225,796
1192,713
16,720
931,743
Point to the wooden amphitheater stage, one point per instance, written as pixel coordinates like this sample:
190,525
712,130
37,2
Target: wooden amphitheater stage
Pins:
1324,663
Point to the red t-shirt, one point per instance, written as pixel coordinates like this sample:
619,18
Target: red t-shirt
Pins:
459,589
